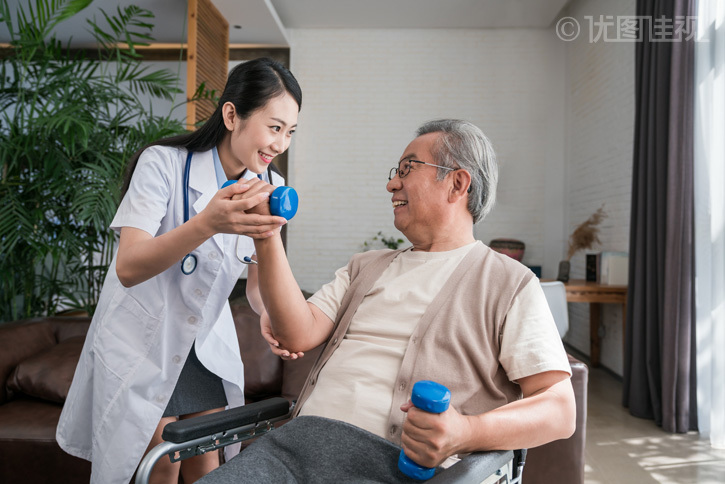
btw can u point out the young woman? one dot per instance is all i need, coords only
(162, 344)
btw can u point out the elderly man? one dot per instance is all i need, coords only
(447, 309)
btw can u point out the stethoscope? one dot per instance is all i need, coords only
(189, 262)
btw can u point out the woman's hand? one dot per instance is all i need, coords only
(266, 327)
(233, 210)
(142, 256)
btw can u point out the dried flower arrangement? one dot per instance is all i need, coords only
(584, 237)
(586, 234)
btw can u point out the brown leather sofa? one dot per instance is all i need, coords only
(38, 357)
(37, 361)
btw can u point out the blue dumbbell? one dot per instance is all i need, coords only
(283, 202)
(434, 398)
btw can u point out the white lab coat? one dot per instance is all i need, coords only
(140, 336)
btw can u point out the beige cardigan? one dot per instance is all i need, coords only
(457, 341)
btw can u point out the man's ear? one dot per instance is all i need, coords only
(461, 184)
(229, 115)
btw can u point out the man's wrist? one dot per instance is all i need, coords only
(472, 432)
(268, 243)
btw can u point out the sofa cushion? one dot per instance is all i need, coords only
(48, 375)
(28, 450)
(18, 341)
(28, 419)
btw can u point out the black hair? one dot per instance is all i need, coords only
(250, 86)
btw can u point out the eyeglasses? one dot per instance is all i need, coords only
(404, 168)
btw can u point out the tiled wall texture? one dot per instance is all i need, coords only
(366, 91)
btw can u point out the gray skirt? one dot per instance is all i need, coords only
(197, 390)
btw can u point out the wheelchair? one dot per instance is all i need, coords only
(191, 437)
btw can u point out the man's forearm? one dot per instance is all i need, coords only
(548, 412)
(293, 323)
(526, 423)
(253, 296)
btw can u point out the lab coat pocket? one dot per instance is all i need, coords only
(127, 334)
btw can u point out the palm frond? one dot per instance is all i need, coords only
(67, 126)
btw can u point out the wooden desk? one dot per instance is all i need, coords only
(579, 290)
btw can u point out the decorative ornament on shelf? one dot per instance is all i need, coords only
(583, 237)
(510, 247)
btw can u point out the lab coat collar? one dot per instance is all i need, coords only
(202, 179)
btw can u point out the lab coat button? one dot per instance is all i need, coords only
(160, 398)
(192, 320)
(198, 292)
(176, 359)
(393, 429)
(213, 255)
(402, 386)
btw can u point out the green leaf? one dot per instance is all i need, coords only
(70, 8)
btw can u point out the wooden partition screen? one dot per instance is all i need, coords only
(207, 57)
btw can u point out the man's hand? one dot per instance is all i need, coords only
(266, 327)
(256, 187)
(430, 438)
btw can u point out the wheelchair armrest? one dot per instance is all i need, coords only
(472, 467)
(185, 430)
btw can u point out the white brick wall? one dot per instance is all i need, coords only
(599, 141)
(560, 115)
(364, 94)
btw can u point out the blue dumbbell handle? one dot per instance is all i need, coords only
(434, 398)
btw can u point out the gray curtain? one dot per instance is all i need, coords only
(659, 357)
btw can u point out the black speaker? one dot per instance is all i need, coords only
(592, 267)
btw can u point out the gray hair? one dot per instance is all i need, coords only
(463, 145)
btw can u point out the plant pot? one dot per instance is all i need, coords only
(510, 247)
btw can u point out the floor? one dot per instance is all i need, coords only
(624, 449)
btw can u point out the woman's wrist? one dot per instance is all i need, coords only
(201, 226)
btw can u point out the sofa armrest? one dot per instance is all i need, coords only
(562, 461)
(67, 327)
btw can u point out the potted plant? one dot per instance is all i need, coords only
(69, 120)
(381, 240)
